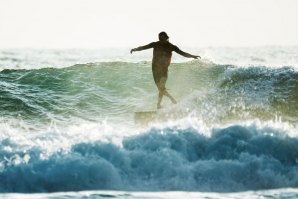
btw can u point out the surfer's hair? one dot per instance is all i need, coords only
(162, 35)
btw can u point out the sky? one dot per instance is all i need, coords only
(130, 23)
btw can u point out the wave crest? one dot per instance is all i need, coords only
(236, 158)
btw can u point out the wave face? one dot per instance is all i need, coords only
(232, 159)
(114, 89)
(72, 128)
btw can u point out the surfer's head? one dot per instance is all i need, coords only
(162, 36)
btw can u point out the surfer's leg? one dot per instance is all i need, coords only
(163, 91)
(170, 96)
(157, 77)
(162, 86)
(160, 79)
(160, 83)
(160, 95)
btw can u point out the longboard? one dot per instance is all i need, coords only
(145, 117)
(160, 115)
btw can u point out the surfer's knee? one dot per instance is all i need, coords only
(161, 87)
(162, 90)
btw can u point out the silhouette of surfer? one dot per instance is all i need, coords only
(162, 54)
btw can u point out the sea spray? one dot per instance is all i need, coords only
(236, 158)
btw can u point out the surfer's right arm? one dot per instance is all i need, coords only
(151, 45)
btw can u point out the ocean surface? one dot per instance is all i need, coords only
(68, 126)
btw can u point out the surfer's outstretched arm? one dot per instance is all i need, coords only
(151, 45)
(180, 52)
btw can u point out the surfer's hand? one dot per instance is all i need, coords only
(196, 57)
(132, 50)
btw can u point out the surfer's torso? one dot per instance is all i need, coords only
(162, 54)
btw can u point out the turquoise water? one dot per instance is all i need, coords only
(115, 90)
(71, 128)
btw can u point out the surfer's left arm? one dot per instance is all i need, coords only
(180, 52)
(151, 45)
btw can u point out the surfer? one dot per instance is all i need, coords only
(162, 54)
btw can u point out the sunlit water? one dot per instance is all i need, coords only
(67, 125)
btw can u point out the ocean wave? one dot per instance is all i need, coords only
(262, 89)
(236, 158)
(114, 89)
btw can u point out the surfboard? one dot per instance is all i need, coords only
(145, 117)
(160, 115)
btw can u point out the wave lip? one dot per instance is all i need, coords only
(236, 158)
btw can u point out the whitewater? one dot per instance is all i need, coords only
(67, 125)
